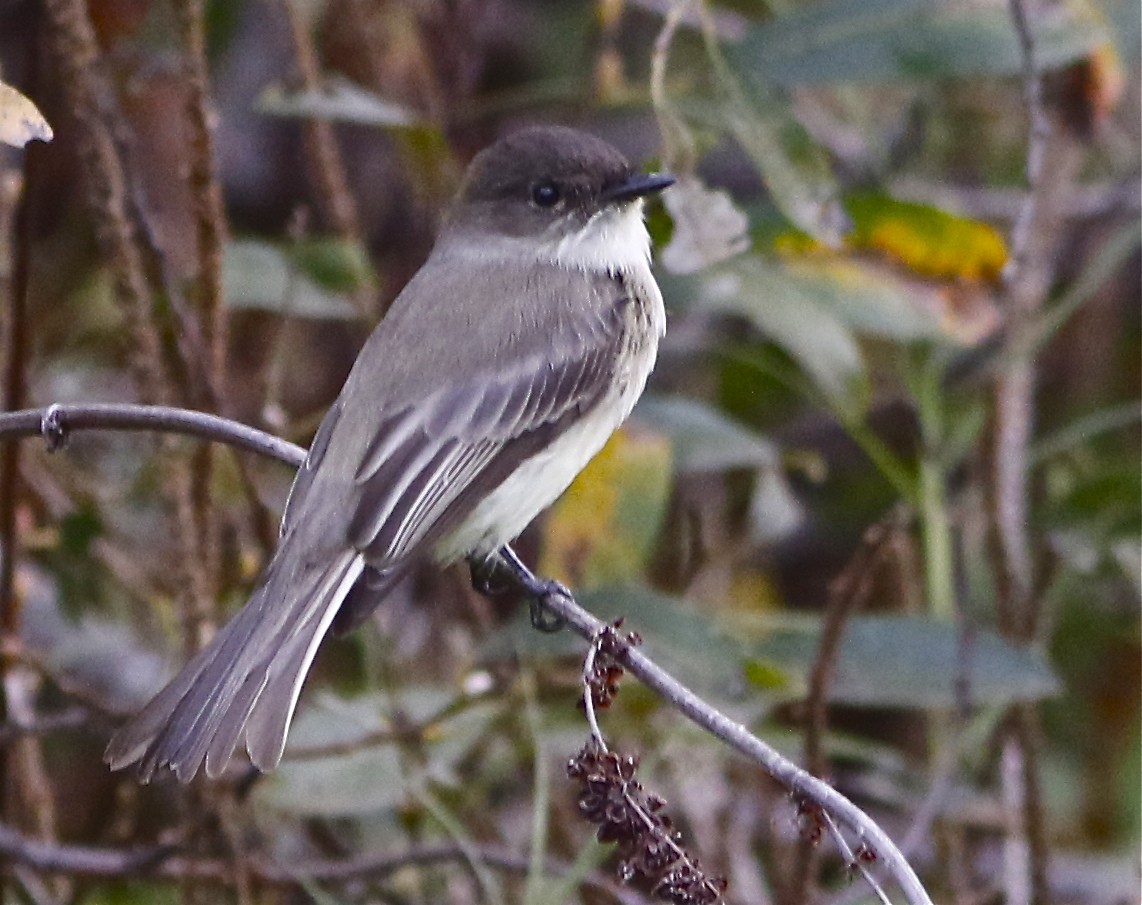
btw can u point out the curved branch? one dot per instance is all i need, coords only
(801, 784)
(55, 422)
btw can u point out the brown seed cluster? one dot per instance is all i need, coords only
(605, 673)
(649, 848)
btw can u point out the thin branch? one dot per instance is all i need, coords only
(209, 218)
(588, 679)
(72, 718)
(16, 212)
(334, 199)
(1053, 162)
(14, 346)
(1095, 200)
(56, 422)
(163, 862)
(847, 592)
(802, 785)
(24, 787)
(138, 265)
(678, 152)
(88, 94)
(209, 214)
(1040, 134)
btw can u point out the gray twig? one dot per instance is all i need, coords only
(801, 784)
(56, 422)
(164, 862)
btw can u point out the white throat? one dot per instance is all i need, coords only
(615, 240)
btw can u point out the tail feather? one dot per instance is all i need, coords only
(266, 729)
(245, 683)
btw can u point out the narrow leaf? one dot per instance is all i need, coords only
(889, 40)
(260, 275)
(603, 528)
(915, 662)
(793, 315)
(337, 99)
(702, 438)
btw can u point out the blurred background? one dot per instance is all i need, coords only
(881, 502)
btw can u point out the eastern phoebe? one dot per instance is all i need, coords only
(500, 370)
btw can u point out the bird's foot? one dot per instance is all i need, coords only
(543, 618)
(487, 578)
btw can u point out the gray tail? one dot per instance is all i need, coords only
(245, 683)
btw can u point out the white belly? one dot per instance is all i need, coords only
(537, 482)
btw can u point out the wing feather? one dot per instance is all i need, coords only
(407, 503)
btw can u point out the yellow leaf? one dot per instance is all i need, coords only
(20, 121)
(603, 528)
(930, 241)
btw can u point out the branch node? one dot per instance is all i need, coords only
(52, 428)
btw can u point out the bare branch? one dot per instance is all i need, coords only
(1053, 161)
(209, 214)
(801, 784)
(163, 862)
(56, 422)
(89, 97)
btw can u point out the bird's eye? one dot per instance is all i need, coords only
(545, 194)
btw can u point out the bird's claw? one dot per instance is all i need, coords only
(543, 618)
(488, 578)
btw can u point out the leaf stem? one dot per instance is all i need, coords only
(939, 580)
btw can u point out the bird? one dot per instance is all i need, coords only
(499, 371)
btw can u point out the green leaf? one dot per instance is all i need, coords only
(702, 438)
(794, 168)
(926, 239)
(793, 314)
(357, 777)
(676, 635)
(338, 99)
(363, 782)
(906, 661)
(1126, 553)
(885, 661)
(261, 275)
(104, 656)
(1084, 430)
(334, 264)
(867, 298)
(1109, 497)
(1096, 517)
(888, 40)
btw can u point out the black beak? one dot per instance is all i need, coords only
(636, 186)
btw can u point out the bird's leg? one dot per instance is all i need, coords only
(486, 575)
(538, 590)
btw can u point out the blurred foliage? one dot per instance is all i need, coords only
(850, 177)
